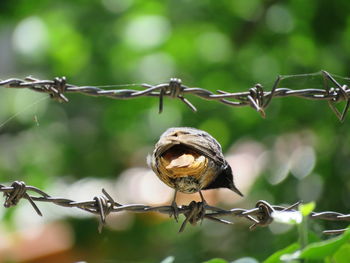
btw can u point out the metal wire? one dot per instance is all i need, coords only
(255, 97)
(103, 205)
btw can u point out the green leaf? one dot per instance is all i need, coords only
(323, 249)
(342, 255)
(306, 209)
(216, 260)
(275, 258)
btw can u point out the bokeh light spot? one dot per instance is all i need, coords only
(146, 32)
(279, 19)
(141, 185)
(246, 9)
(246, 260)
(117, 6)
(310, 188)
(155, 67)
(303, 161)
(30, 37)
(214, 46)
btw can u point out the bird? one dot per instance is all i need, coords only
(190, 160)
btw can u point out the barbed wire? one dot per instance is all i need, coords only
(260, 216)
(256, 97)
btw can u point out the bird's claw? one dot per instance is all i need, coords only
(195, 214)
(175, 211)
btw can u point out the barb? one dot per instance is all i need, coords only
(255, 97)
(261, 215)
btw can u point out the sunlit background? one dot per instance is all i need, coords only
(299, 152)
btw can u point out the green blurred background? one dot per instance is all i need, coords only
(300, 151)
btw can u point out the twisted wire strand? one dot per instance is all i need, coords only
(256, 97)
(103, 205)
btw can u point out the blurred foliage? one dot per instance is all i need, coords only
(228, 45)
(333, 250)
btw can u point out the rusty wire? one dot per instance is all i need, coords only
(256, 97)
(103, 205)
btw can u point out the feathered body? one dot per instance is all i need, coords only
(190, 160)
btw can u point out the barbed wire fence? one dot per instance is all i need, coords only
(332, 91)
(260, 216)
(256, 97)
